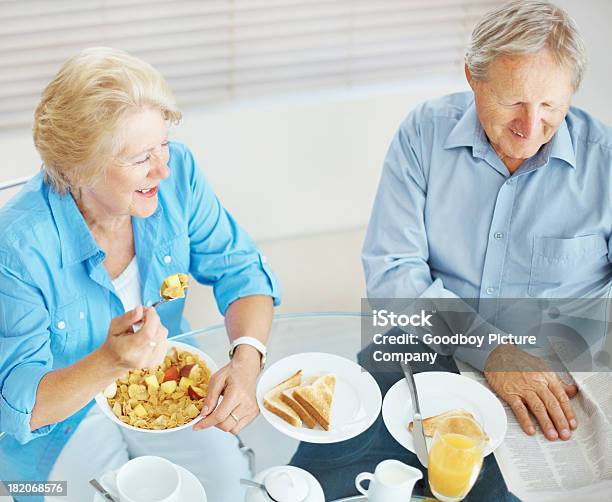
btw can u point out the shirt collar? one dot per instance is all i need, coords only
(468, 132)
(76, 241)
(562, 146)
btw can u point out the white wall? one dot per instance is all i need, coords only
(303, 164)
(593, 19)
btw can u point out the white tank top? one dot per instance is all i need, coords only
(127, 286)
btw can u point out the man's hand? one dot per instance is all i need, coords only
(236, 382)
(526, 383)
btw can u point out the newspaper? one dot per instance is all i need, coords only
(536, 469)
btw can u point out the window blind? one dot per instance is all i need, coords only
(219, 50)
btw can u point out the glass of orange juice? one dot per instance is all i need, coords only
(455, 458)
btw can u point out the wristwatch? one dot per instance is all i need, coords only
(253, 342)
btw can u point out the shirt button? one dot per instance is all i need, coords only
(498, 235)
(490, 291)
(81, 315)
(61, 325)
(167, 259)
(510, 181)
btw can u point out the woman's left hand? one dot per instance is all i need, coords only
(236, 382)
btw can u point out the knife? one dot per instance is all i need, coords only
(418, 436)
(103, 492)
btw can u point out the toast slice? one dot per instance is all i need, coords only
(287, 397)
(431, 423)
(317, 397)
(272, 401)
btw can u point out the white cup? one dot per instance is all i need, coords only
(145, 479)
(392, 481)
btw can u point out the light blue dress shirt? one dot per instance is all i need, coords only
(57, 300)
(449, 221)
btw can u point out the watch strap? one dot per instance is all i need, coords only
(253, 342)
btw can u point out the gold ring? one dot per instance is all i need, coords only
(152, 344)
(234, 417)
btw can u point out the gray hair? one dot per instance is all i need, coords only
(526, 27)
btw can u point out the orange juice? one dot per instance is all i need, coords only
(454, 463)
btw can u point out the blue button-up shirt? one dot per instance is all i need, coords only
(57, 300)
(449, 221)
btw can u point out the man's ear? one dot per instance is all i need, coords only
(468, 76)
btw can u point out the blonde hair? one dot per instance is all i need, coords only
(78, 124)
(526, 27)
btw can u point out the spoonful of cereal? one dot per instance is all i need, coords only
(172, 288)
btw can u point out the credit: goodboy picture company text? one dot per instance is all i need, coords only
(425, 321)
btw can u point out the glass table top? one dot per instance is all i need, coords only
(337, 333)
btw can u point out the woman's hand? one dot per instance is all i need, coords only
(236, 382)
(144, 349)
(64, 391)
(527, 384)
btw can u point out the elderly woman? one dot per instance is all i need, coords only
(117, 208)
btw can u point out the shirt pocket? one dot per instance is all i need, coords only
(561, 266)
(68, 330)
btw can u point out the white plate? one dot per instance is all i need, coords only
(439, 392)
(191, 488)
(355, 405)
(102, 402)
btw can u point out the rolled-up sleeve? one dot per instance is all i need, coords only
(222, 254)
(25, 350)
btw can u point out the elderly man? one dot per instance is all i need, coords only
(499, 192)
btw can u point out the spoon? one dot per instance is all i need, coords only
(249, 482)
(136, 327)
(164, 300)
(282, 486)
(96, 484)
